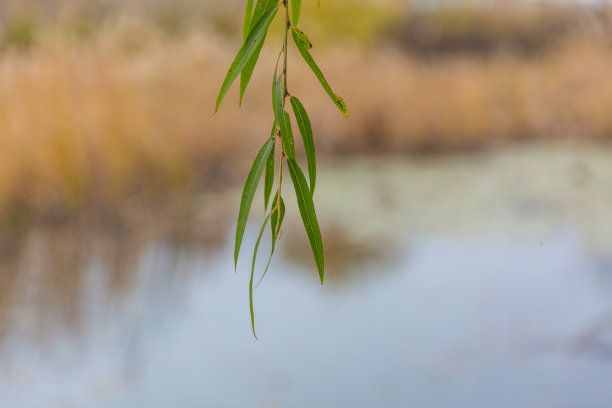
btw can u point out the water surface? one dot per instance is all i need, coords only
(452, 282)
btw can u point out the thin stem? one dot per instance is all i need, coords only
(287, 26)
(285, 92)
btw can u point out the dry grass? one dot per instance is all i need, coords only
(126, 113)
(131, 111)
(402, 103)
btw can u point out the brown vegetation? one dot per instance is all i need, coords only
(130, 110)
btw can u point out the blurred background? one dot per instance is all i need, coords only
(464, 206)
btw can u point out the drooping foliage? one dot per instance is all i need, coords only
(257, 21)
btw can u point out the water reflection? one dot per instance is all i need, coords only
(348, 259)
(150, 314)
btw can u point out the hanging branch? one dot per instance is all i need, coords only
(257, 21)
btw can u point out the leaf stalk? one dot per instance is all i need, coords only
(285, 93)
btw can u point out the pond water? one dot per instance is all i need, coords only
(473, 281)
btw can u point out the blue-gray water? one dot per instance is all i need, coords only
(451, 283)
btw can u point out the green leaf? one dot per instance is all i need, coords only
(248, 13)
(304, 45)
(276, 225)
(247, 50)
(277, 96)
(263, 228)
(269, 177)
(282, 117)
(287, 135)
(296, 8)
(306, 130)
(261, 8)
(275, 83)
(309, 217)
(249, 192)
(247, 72)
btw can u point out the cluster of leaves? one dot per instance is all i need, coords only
(257, 21)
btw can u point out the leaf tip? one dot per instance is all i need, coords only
(218, 103)
(241, 97)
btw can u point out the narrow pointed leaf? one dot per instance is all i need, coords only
(282, 117)
(263, 228)
(269, 176)
(247, 72)
(275, 84)
(309, 217)
(261, 8)
(287, 135)
(249, 192)
(304, 45)
(306, 131)
(296, 8)
(248, 13)
(276, 225)
(276, 221)
(247, 50)
(277, 98)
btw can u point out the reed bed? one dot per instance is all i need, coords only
(128, 111)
